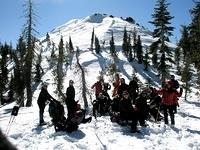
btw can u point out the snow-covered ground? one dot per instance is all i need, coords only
(101, 134)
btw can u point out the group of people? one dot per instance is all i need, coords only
(133, 105)
(75, 114)
(128, 102)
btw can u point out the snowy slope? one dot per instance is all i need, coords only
(101, 134)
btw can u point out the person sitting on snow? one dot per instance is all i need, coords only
(128, 111)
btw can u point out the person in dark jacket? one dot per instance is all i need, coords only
(70, 99)
(174, 82)
(155, 104)
(123, 87)
(44, 96)
(128, 111)
(142, 107)
(133, 88)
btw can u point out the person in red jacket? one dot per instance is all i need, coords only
(116, 85)
(98, 86)
(169, 100)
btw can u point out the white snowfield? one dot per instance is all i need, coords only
(101, 134)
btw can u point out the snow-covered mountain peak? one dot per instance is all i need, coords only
(95, 18)
(104, 25)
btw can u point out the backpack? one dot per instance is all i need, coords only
(56, 111)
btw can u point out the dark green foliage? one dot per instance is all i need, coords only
(112, 46)
(19, 70)
(139, 50)
(146, 60)
(53, 55)
(29, 37)
(163, 30)
(161, 20)
(153, 50)
(130, 54)
(38, 67)
(97, 45)
(125, 44)
(134, 42)
(184, 42)
(71, 48)
(177, 59)
(59, 69)
(194, 29)
(195, 34)
(92, 40)
(186, 76)
(4, 51)
(83, 86)
(48, 40)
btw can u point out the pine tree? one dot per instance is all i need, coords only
(139, 50)
(92, 40)
(154, 51)
(146, 59)
(134, 42)
(161, 21)
(184, 41)
(125, 42)
(59, 71)
(195, 34)
(177, 58)
(130, 54)
(71, 48)
(97, 45)
(112, 46)
(19, 71)
(48, 40)
(186, 76)
(29, 36)
(4, 60)
(163, 30)
(38, 67)
(84, 89)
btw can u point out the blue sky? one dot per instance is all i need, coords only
(52, 13)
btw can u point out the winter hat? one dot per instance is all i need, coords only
(71, 81)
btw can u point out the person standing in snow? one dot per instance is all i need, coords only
(133, 88)
(123, 87)
(116, 85)
(169, 100)
(70, 99)
(44, 96)
(98, 86)
(175, 83)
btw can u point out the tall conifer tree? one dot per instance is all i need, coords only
(29, 36)
(162, 31)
